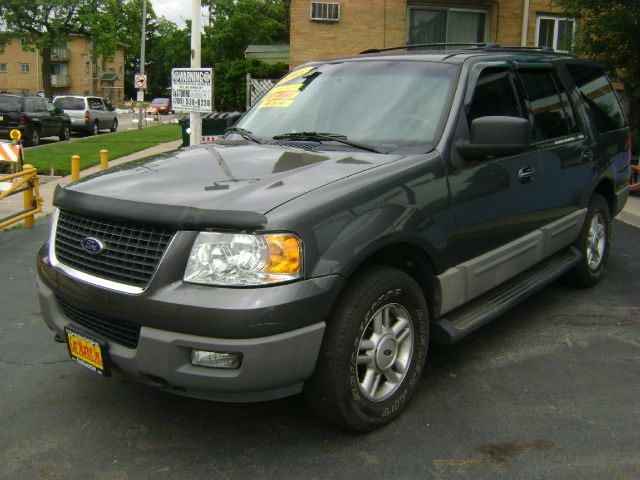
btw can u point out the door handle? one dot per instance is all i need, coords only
(586, 156)
(526, 174)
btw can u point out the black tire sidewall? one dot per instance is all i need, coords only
(583, 275)
(114, 126)
(382, 411)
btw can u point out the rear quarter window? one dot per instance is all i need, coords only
(597, 92)
(10, 104)
(69, 103)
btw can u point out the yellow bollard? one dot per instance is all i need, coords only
(104, 159)
(75, 167)
(28, 201)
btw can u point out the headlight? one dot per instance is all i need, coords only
(238, 259)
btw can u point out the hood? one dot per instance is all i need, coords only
(250, 178)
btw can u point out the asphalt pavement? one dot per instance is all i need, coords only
(549, 390)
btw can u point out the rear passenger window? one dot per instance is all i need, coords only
(494, 95)
(548, 104)
(598, 94)
(95, 104)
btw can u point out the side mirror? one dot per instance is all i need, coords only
(496, 137)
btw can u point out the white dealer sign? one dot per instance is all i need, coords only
(192, 89)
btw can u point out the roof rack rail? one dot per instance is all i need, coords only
(429, 45)
(492, 47)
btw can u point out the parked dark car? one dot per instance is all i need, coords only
(161, 106)
(34, 116)
(88, 113)
(362, 208)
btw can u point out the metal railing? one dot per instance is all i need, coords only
(28, 185)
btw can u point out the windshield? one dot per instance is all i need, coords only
(389, 104)
(69, 103)
(160, 101)
(9, 104)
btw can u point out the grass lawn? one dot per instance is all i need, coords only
(58, 155)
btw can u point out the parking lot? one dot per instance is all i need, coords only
(549, 390)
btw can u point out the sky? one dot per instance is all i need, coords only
(175, 10)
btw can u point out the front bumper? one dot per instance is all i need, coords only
(276, 358)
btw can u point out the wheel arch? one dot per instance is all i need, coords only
(606, 189)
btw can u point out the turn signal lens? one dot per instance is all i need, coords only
(284, 254)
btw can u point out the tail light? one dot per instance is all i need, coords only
(22, 118)
(87, 115)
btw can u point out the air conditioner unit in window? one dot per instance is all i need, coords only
(326, 12)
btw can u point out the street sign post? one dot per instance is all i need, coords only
(192, 89)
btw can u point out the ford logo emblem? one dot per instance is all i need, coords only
(92, 245)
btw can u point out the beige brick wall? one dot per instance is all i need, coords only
(368, 24)
(80, 70)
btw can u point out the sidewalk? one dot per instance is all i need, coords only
(14, 203)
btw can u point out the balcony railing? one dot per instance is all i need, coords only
(60, 55)
(60, 81)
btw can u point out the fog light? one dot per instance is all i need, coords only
(203, 358)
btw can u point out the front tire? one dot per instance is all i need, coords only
(593, 244)
(373, 351)
(65, 133)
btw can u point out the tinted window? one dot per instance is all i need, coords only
(95, 104)
(69, 103)
(550, 109)
(41, 104)
(10, 104)
(29, 105)
(598, 93)
(494, 95)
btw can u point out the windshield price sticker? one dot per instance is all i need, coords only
(192, 89)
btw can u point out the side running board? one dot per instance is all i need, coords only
(468, 318)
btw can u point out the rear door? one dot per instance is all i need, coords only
(559, 137)
(97, 111)
(10, 108)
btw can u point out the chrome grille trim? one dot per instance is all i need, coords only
(94, 279)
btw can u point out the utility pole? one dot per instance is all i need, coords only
(195, 118)
(144, 34)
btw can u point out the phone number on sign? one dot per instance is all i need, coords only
(192, 102)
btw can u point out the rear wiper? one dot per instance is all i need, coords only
(335, 137)
(246, 134)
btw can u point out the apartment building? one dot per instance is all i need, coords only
(73, 69)
(327, 29)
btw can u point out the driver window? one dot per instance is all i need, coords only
(494, 96)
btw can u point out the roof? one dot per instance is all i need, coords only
(267, 48)
(109, 77)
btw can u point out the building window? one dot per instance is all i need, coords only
(24, 42)
(555, 32)
(4, 68)
(446, 25)
(25, 68)
(328, 12)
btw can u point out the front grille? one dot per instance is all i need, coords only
(120, 331)
(131, 252)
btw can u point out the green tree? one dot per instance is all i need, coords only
(608, 32)
(235, 24)
(48, 23)
(168, 47)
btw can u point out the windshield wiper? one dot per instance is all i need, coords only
(246, 134)
(319, 137)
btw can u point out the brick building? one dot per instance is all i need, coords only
(332, 28)
(73, 69)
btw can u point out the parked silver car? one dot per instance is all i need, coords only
(88, 113)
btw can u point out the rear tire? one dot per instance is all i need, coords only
(114, 125)
(373, 351)
(95, 129)
(593, 244)
(34, 137)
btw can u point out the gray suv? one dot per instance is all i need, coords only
(365, 207)
(88, 114)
